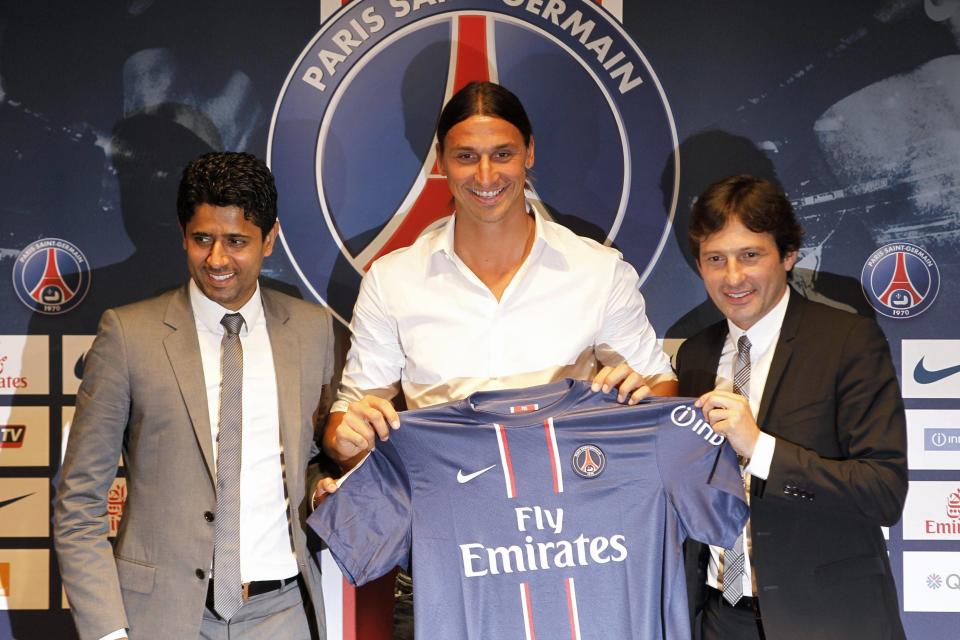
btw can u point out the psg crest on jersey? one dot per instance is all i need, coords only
(588, 461)
(900, 280)
(352, 136)
(51, 276)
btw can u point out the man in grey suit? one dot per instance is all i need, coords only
(211, 392)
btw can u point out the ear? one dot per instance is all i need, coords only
(440, 163)
(789, 260)
(530, 155)
(270, 239)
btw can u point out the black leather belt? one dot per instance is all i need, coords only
(254, 588)
(745, 603)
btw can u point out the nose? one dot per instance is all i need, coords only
(485, 171)
(734, 273)
(217, 257)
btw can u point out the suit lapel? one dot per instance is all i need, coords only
(712, 355)
(783, 353)
(698, 373)
(183, 350)
(285, 344)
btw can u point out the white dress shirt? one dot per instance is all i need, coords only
(266, 551)
(763, 341)
(425, 323)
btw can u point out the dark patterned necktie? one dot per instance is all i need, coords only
(227, 595)
(734, 559)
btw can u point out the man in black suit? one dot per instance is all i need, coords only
(808, 397)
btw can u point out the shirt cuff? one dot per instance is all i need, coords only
(119, 633)
(759, 466)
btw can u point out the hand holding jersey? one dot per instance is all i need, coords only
(729, 414)
(371, 418)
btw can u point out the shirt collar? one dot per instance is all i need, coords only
(543, 235)
(208, 313)
(765, 331)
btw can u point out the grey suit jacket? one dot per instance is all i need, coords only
(143, 392)
(839, 472)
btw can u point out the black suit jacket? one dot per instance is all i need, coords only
(839, 472)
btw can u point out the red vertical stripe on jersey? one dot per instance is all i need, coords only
(507, 462)
(572, 612)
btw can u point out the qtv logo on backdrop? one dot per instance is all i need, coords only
(24, 436)
(931, 581)
(352, 142)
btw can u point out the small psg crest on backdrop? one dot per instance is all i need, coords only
(51, 276)
(588, 461)
(900, 280)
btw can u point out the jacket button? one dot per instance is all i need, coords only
(200, 573)
(208, 516)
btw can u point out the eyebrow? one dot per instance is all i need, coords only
(229, 236)
(465, 147)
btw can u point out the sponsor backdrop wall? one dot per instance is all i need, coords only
(853, 107)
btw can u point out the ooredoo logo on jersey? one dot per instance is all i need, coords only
(51, 276)
(352, 141)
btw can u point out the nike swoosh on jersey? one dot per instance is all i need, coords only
(462, 478)
(4, 503)
(925, 376)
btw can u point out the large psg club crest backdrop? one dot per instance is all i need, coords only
(352, 143)
(853, 107)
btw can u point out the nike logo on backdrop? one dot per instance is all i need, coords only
(462, 478)
(78, 366)
(4, 503)
(925, 376)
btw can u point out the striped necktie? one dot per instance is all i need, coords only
(734, 560)
(227, 596)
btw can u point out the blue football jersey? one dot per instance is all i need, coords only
(548, 512)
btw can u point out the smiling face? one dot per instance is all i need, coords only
(486, 163)
(225, 252)
(743, 272)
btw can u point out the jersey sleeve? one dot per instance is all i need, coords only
(367, 522)
(702, 480)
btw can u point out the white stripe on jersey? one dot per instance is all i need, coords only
(525, 604)
(555, 451)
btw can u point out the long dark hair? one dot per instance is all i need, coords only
(483, 99)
